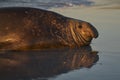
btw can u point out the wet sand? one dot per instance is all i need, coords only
(107, 21)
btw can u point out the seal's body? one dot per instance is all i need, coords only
(30, 28)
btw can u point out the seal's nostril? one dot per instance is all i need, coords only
(94, 32)
(96, 35)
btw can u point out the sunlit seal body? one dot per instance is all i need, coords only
(31, 28)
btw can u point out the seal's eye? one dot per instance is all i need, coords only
(80, 26)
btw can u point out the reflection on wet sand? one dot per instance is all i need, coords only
(44, 64)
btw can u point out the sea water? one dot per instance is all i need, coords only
(45, 4)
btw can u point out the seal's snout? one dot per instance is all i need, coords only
(91, 29)
(94, 31)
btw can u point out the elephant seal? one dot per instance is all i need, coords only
(25, 28)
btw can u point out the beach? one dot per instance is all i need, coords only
(71, 64)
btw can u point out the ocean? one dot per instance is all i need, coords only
(45, 4)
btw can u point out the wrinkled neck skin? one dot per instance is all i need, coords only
(78, 38)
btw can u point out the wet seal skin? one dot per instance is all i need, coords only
(23, 28)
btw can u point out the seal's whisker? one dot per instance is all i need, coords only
(79, 36)
(83, 39)
(73, 35)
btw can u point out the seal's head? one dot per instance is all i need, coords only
(82, 32)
